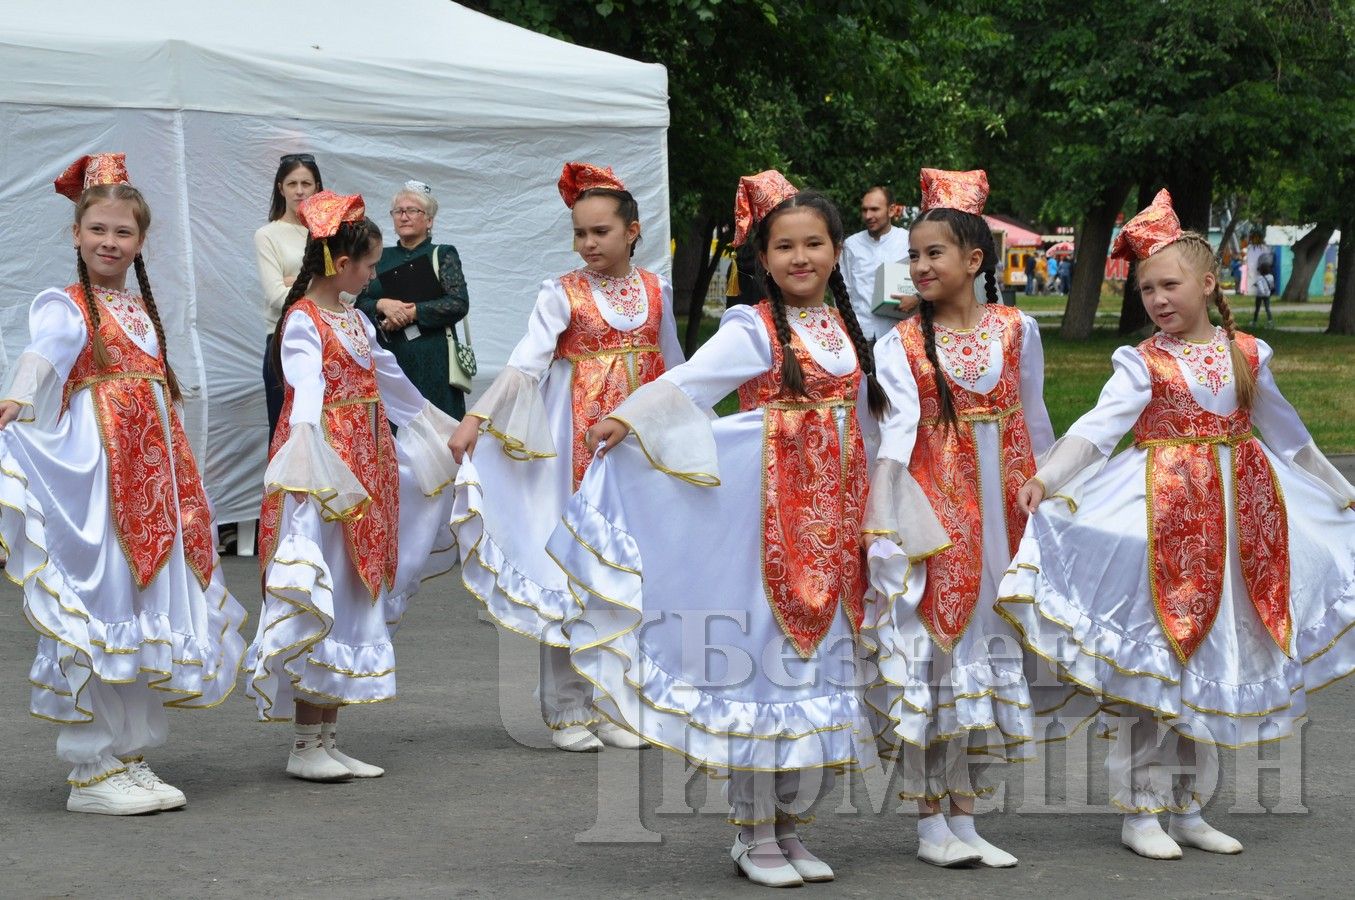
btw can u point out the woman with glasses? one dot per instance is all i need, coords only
(419, 294)
(277, 248)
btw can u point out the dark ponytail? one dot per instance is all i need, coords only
(144, 282)
(865, 354)
(92, 306)
(946, 413)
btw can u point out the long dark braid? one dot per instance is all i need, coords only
(865, 354)
(92, 306)
(946, 413)
(792, 376)
(312, 262)
(990, 283)
(144, 282)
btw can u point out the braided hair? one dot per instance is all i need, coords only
(352, 240)
(970, 232)
(1196, 252)
(141, 212)
(792, 376)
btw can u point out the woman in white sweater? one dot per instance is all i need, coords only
(277, 248)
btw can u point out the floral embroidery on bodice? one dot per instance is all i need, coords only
(349, 330)
(625, 295)
(1209, 363)
(967, 354)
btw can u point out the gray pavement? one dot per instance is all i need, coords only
(467, 810)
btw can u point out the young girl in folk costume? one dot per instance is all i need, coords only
(353, 519)
(103, 515)
(1205, 579)
(736, 543)
(965, 383)
(595, 335)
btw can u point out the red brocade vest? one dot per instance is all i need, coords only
(154, 487)
(608, 364)
(1187, 529)
(353, 421)
(945, 464)
(814, 486)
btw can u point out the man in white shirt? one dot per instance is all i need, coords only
(864, 252)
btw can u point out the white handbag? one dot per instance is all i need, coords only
(461, 365)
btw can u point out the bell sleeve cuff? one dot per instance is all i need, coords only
(424, 442)
(514, 412)
(306, 464)
(674, 433)
(897, 509)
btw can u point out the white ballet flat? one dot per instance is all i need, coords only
(1150, 842)
(1203, 837)
(810, 869)
(781, 876)
(616, 736)
(989, 855)
(949, 853)
(576, 739)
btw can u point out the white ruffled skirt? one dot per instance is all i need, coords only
(321, 637)
(92, 619)
(1079, 594)
(672, 625)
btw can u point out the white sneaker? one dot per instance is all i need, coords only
(170, 796)
(616, 736)
(1149, 840)
(116, 795)
(783, 875)
(314, 764)
(329, 740)
(1203, 836)
(576, 739)
(949, 853)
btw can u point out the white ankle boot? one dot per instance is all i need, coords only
(1194, 831)
(1144, 835)
(360, 769)
(310, 762)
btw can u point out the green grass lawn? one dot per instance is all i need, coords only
(1316, 372)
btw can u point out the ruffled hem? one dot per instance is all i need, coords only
(74, 645)
(293, 657)
(512, 599)
(713, 733)
(987, 706)
(1088, 655)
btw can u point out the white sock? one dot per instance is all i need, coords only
(307, 736)
(1140, 821)
(933, 829)
(1191, 817)
(962, 827)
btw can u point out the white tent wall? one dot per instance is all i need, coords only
(487, 115)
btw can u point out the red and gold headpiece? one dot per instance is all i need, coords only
(758, 195)
(965, 191)
(88, 171)
(577, 177)
(1148, 232)
(324, 212)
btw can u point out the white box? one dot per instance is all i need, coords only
(892, 278)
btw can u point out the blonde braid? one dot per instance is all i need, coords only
(1195, 250)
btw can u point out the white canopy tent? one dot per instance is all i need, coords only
(204, 97)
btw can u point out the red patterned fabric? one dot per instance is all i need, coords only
(813, 495)
(354, 425)
(324, 212)
(756, 196)
(608, 364)
(577, 177)
(153, 481)
(1187, 531)
(88, 171)
(945, 463)
(1148, 232)
(965, 191)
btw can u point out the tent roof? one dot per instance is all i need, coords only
(1017, 236)
(421, 62)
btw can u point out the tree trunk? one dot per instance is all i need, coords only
(1231, 227)
(1089, 269)
(1308, 253)
(1133, 316)
(689, 255)
(1192, 191)
(706, 262)
(1343, 301)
